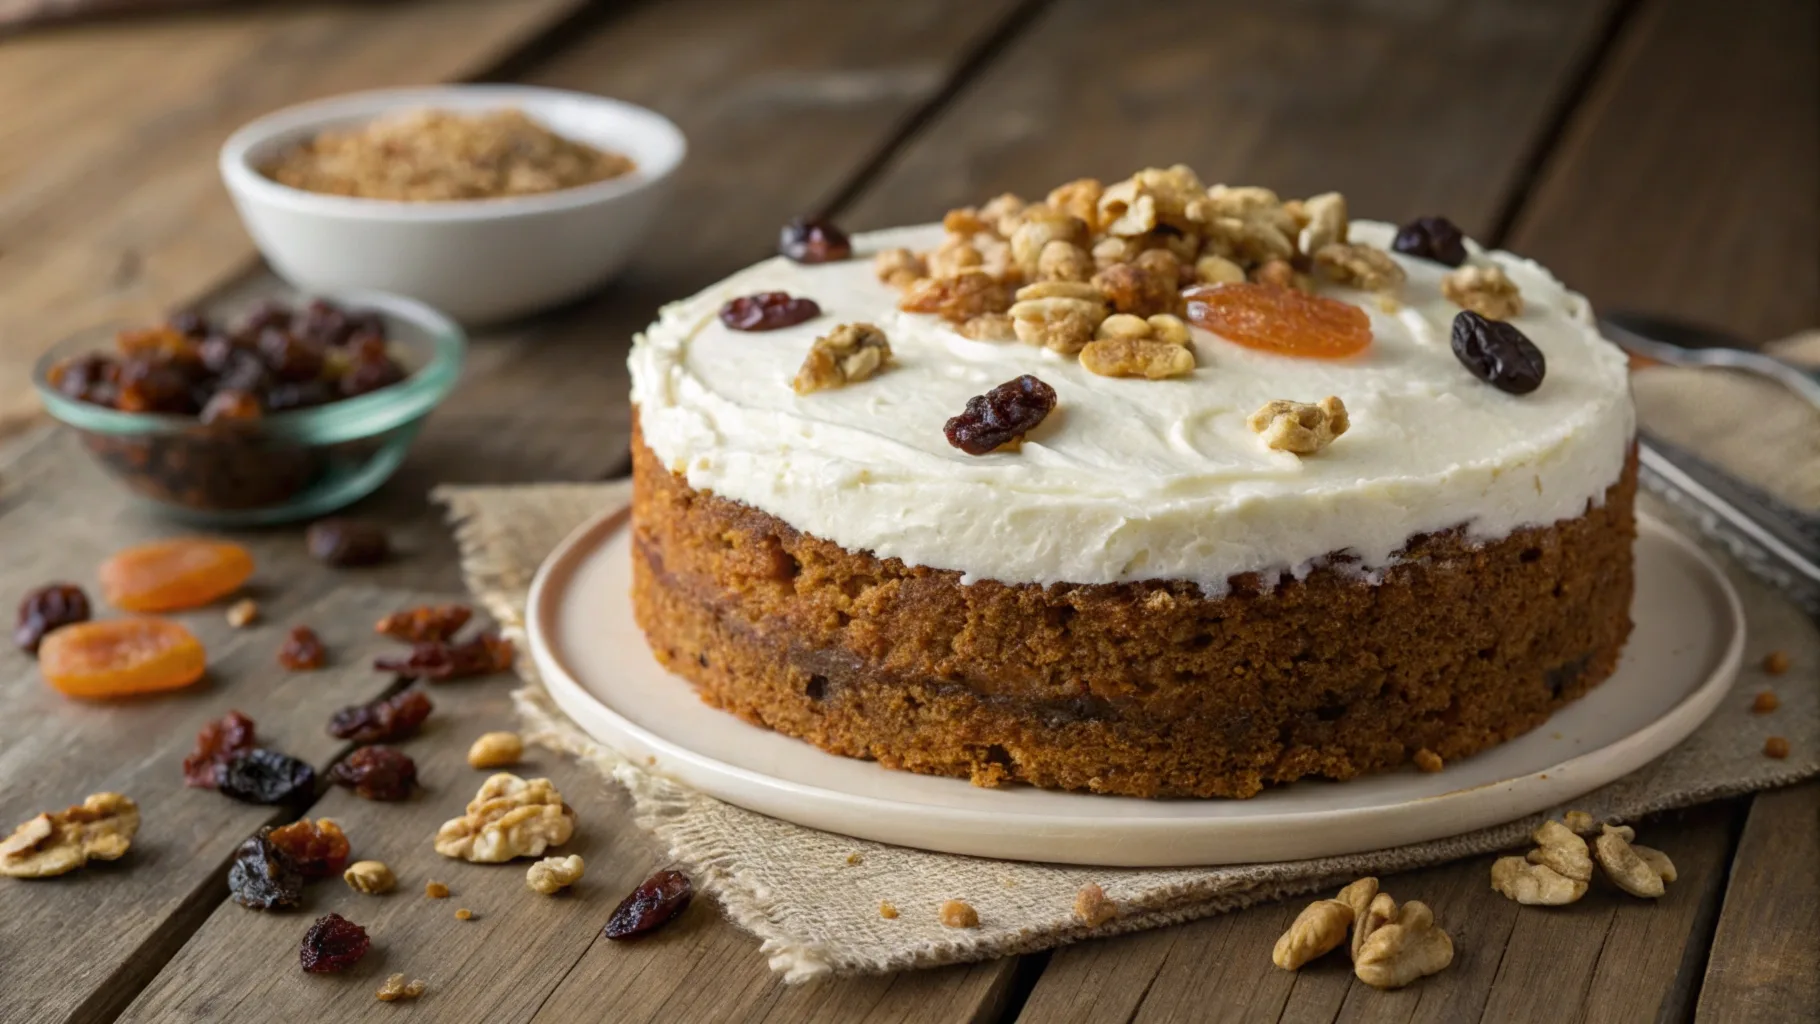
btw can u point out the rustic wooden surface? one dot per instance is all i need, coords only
(1659, 153)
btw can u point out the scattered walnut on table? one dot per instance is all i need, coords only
(1622, 864)
(1359, 266)
(958, 914)
(396, 988)
(464, 914)
(243, 613)
(1300, 427)
(1359, 895)
(1318, 929)
(1092, 908)
(101, 827)
(496, 750)
(1406, 948)
(846, 355)
(1559, 848)
(509, 817)
(1485, 289)
(369, 876)
(1534, 884)
(554, 874)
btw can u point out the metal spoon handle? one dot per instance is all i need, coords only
(1801, 381)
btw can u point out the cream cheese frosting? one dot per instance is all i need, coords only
(1132, 479)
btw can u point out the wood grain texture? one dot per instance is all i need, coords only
(1689, 182)
(1765, 961)
(1406, 108)
(110, 205)
(116, 924)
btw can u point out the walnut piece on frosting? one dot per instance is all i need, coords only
(1300, 427)
(846, 355)
(1485, 289)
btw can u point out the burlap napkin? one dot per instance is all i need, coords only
(815, 904)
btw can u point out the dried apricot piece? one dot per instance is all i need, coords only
(168, 575)
(1280, 320)
(121, 657)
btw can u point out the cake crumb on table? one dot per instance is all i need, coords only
(396, 988)
(436, 890)
(1776, 747)
(242, 613)
(1776, 662)
(887, 910)
(1766, 702)
(1429, 761)
(855, 859)
(959, 914)
(464, 914)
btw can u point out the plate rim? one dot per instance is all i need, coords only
(1630, 752)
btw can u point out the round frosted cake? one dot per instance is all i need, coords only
(1146, 488)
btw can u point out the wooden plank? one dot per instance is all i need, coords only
(1407, 109)
(1690, 182)
(115, 925)
(109, 200)
(498, 966)
(1765, 961)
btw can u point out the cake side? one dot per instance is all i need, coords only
(1148, 688)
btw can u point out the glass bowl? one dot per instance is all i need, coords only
(283, 467)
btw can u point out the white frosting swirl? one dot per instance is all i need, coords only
(1132, 479)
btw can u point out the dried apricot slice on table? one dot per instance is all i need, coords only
(1280, 320)
(168, 575)
(121, 657)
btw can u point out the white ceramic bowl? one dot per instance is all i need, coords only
(477, 260)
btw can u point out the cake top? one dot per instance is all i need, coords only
(1328, 412)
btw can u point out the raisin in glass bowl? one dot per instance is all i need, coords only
(309, 450)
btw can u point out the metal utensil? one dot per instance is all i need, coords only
(1684, 344)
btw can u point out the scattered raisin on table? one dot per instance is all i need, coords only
(388, 718)
(303, 650)
(44, 609)
(217, 743)
(438, 661)
(814, 240)
(263, 876)
(260, 776)
(1497, 353)
(768, 311)
(1001, 415)
(346, 543)
(376, 773)
(1432, 238)
(332, 944)
(425, 624)
(656, 902)
(318, 848)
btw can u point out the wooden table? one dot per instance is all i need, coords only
(1658, 154)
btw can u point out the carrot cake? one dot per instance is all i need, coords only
(1145, 488)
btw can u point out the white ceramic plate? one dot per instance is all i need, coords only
(1680, 662)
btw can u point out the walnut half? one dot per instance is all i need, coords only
(1409, 947)
(100, 828)
(509, 817)
(1319, 928)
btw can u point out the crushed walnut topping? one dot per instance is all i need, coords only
(1124, 248)
(1131, 346)
(1359, 266)
(1484, 289)
(846, 355)
(1300, 427)
(396, 988)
